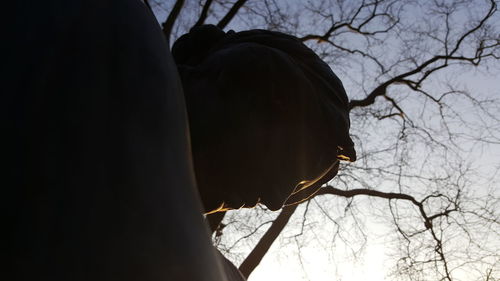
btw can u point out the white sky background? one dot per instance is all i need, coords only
(322, 264)
(317, 267)
(334, 262)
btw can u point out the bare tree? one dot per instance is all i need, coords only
(426, 135)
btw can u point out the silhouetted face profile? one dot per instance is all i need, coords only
(267, 116)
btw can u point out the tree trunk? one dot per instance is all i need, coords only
(258, 252)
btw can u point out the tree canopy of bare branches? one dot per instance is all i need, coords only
(425, 123)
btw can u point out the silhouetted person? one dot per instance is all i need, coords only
(267, 116)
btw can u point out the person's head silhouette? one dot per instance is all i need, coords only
(267, 116)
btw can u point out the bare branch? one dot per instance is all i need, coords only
(442, 61)
(169, 22)
(204, 13)
(401, 196)
(231, 13)
(258, 252)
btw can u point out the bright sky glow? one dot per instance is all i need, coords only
(317, 267)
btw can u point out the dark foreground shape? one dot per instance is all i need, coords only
(267, 117)
(100, 179)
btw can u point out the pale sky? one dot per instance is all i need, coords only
(318, 267)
